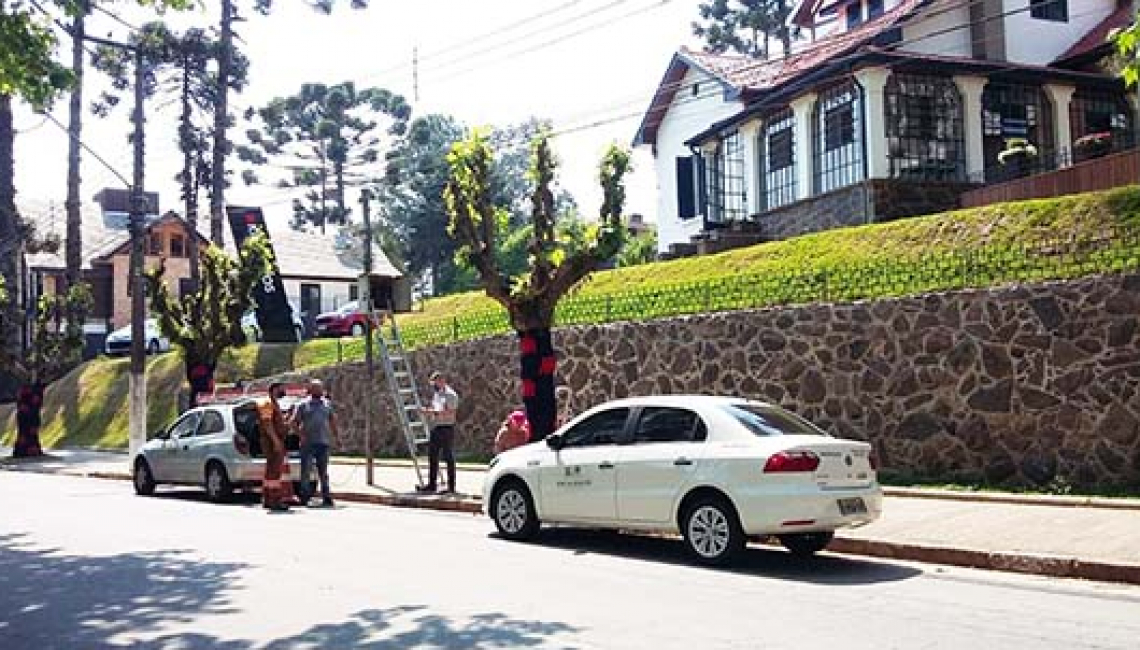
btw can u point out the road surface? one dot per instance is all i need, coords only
(86, 564)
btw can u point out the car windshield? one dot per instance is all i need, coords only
(348, 308)
(772, 421)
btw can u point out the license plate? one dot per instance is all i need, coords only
(852, 506)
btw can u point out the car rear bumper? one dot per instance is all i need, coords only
(252, 470)
(770, 513)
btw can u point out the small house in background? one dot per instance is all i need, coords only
(318, 274)
(884, 109)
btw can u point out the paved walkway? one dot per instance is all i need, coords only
(1058, 536)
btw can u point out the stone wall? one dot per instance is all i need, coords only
(1024, 386)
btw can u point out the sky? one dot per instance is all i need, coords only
(485, 62)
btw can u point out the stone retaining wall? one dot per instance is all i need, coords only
(1026, 385)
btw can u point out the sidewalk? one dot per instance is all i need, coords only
(1053, 536)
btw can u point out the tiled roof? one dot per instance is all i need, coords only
(1098, 36)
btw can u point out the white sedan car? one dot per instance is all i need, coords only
(718, 470)
(119, 341)
(216, 446)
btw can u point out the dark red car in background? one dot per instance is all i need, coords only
(349, 320)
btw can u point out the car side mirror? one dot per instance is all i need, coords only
(555, 442)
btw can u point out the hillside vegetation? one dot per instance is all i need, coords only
(1030, 240)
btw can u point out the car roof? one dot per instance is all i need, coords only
(681, 401)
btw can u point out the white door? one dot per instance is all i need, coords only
(577, 483)
(178, 447)
(654, 470)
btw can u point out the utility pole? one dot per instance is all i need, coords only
(221, 124)
(137, 382)
(369, 309)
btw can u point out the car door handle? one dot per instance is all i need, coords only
(682, 461)
(186, 448)
(605, 464)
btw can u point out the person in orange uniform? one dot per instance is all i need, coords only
(274, 491)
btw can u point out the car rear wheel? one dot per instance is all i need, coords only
(218, 486)
(357, 329)
(143, 478)
(806, 544)
(712, 531)
(512, 508)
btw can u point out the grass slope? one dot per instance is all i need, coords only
(88, 407)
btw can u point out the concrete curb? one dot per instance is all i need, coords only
(1025, 563)
(1015, 499)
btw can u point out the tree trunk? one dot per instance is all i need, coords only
(10, 244)
(189, 173)
(342, 210)
(324, 188)
(73, 247)
(221, 124)
(201, 378)
(29, 404)
(537, 366)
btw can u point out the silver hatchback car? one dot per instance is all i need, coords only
(216, 446)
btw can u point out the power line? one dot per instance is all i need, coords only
(94, 154)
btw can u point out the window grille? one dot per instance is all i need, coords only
(1098, 111)
(1011, 111)
(837, 138)
(925, 136)
(728, 199)
(778, 154)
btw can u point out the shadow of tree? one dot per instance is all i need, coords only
(756, 560)
(49, 599)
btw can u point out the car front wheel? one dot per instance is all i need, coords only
(806, 544)
(512, 508)
(712, 531)
(143, 478)
(218, 486)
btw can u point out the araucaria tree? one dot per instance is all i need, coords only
(327, 137)
(203, 324)
(557, 264)
(56, 346)
(744, 26)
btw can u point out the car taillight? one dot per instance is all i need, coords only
(792, 461)
(241, 444)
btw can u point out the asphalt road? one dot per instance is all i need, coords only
(86, 564)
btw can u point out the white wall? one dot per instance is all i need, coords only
(955, 42)
(685, 118)
(1039, 42)
(333, 294)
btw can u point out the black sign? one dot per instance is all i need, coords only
(274, 316)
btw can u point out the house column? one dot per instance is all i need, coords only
(1061, 97)
(749, 134)
(874, 81)
(803, 109)
(971, 89)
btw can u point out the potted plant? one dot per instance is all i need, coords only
(1018, 156)
(1093, 145)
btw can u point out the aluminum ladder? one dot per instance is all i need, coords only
(402, 385)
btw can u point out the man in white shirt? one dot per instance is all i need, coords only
(441, 416)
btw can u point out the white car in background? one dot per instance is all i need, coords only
(717, 470)
(252, 329)
(119, 341)
(217, 446)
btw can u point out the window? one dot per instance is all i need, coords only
(659, 424)
(212, 422)
(696, 89)
(1101, 111)
(1050, 10)
(154, 244)
(854, 14)
(1012, 111)
(837, 138)
(177, 245)
(772, 421)
(778, 147)
(925, 137)
(728, 200)
(599, 429)
(185, 427)
(874, 9)
(354, 292)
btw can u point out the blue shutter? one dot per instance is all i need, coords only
(686, 188)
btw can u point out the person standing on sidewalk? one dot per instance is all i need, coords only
(317, 423)
(272, 428)
(441, 413)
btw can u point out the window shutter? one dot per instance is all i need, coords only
(686, 188)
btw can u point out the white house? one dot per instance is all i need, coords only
(884, 109)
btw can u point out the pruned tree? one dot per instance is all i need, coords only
(56, 348)
(327, 138)
(205, 323)
(744, 26)
(557, 264)
(179, 66)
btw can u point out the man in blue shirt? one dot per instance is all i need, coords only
(316, 420)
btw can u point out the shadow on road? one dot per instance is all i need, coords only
(755, 561)
(52, 600)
